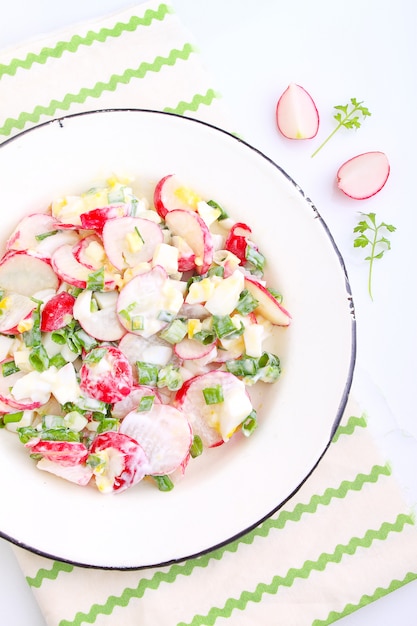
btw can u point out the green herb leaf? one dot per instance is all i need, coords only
(95, 280)
(196, 447)
(347, 118)
(378, 243)
(164, 483)
(213, 395)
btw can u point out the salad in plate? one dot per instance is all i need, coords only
(131, 333)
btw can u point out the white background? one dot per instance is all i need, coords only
(362, 48)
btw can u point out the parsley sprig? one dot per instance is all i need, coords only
(373, 235)
(348, 115)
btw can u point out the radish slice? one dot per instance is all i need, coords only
(129, 241)
(26, 274)
(147, 302)
(14, 309)
(97, 218)
(164, 433)
(89, 251)
(237, 240)
(296, 114)
(102, 324)
(106, 374)
(190, 349)
(39, 233)
(192, 228)
(364, 175)
(71, 271)
(65, 453)
(147, 349)
(268, 306)
(214, 423)
(170, 194)
(123, 462)
(57, 312)
(78, 474)
(131, 402)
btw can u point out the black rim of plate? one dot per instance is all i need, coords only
(348, 384)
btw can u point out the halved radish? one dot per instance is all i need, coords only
(214, 422)
(106, 374)
(14, 309)
(296, 114)
(65, 453)
(196, 233)
(164, 433)
(237, 240)
(102, 324)
(6, 386)
(40, 233)
(191, 349)
(170, 194)
(89, 251)
(129, 241)
(131, 402)
(122, 462)
(186, 256)
(57, 312)
(364, 175)
(148, 301)
(26, 274)
(268, 306)
(71, 271)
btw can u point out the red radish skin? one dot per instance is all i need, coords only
(80, 252)
(296, 114)
(57, 312)
(131, 402)
(115, 233)
(97, 218)
(196, 233)
(108, 381)
(191, 349)
(17, 308)
(237, 240)
(165, 198)
(268, 307)
(66, 453)
(71, 271)
(134, 462)
(364, 175)
(6, 384)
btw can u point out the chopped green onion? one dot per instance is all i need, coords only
(39, 359)
(146, 403)
(206, 337)
(59, 336)
(8, 368)
(59, 434)
(175, 332)
(243, 367)
(164, 483)
(95, 280)
(223, 325)
(84, 339)
(57, 361)
(10, 418)
(95, 355)
(166, 316)
(270, 367)
(213, 395)
(94, 460)
(170, 376)
(137, 231)
(53, 422)
(254, 257)
(147, 373)
(247, 303)
(33, 336)
(223, 215)
(276, 294)
(43, 236)
(196, 447)
(116, 195)
(106, 424)
(26, 433)
(137, 322)
(250, 424)
(217, 270)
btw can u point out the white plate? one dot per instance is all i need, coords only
(229, 489)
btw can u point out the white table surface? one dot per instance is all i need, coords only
(365, 49)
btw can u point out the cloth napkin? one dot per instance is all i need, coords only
(348, 536)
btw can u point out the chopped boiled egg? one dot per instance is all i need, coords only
(200, 291)
(167, 257)
(187, 196)
(253, 337)
(208, 213)
(225, 295)
(134, 241)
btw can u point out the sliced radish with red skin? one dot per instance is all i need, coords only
(116, 240)
(71, 271)
(145, 299)
(26, 274)
(17, 309)
(127, 462)
(132, 401)
(97, 218)
(186, 256)
(164, 433)
(65, 453)
(268, 306)
(80, 252)
(237, 240)
(78, 474)
(102, 324)
(364, 175)
(214, 423)
(109, 378)
(296, 114)
(24, 237)
(147, 349)
(166, 197)
(196, 233)
(57, 312)
(190, 349)
(7, 383)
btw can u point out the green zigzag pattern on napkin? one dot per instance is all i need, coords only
(49, 574)
(97, 90)
(349, 427)
(182, 107)
(263, 530)
(76, 41)
(380, 592)
(319, 565)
